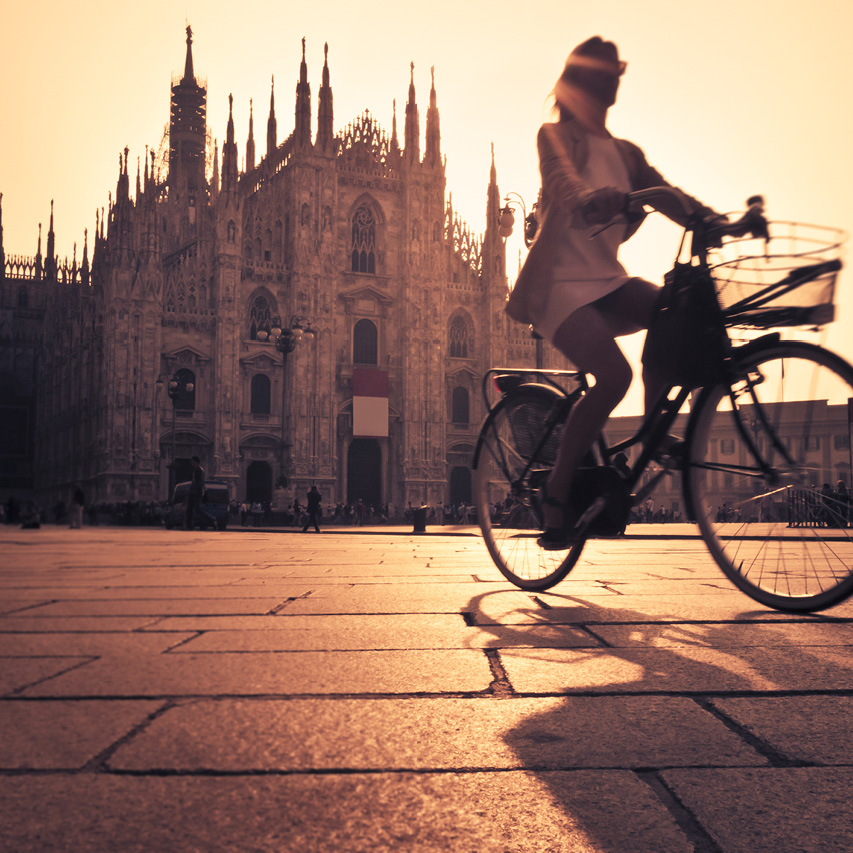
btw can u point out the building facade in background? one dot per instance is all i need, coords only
(195, 268)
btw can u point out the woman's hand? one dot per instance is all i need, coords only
(602, 206)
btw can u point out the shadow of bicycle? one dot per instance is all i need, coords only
(606, 699)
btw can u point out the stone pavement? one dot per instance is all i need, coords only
(379, 690)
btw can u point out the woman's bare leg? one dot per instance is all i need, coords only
(628, 310)
(586, 339)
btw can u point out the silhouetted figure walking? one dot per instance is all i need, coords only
(314, 498)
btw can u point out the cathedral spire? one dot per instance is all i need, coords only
(302, 129)
(229, 153)
(413, 128)
(215, 186)
(432, 156)
(50, 260)
(38, 257)
(188, 128)
(84, 264)
(395, 145)
(493, 197)
(250, 142)
(325, 121)
(189, 74)
(272, 144)
(494, 245)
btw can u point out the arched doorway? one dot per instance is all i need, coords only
(364, 471)
(460, 485)
(259, 482)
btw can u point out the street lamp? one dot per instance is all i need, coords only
(506, 218)
(506, 222)
(285, 339)
(178, 389)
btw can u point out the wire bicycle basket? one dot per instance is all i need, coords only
(787, 281)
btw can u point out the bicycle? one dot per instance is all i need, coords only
(781, 540)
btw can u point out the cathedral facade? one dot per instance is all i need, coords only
(318, 315)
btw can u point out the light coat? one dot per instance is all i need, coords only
(563, 154)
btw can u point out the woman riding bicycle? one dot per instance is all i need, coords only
(572, 288)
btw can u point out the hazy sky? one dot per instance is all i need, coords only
(727, 99)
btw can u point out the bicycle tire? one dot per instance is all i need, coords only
(508, 445)
(782, 541)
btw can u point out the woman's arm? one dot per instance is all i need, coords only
(644, 176)
(561, 183)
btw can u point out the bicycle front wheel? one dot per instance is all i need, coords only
(513, 461)
(762, 466)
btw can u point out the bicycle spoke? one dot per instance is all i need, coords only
(516, 452)
(779, 534)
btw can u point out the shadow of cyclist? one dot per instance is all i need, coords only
(614, 696)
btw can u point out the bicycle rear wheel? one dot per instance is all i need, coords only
(511, 467)
(765, 514)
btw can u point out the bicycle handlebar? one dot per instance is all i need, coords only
(752, 222)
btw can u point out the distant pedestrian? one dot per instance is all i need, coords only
(842, 495)
(244, 514)
(314, 499)
(78, 501)
(195, 495)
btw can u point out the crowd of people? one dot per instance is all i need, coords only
(260, 514)
(247, 513)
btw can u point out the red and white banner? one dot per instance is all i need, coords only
(369, 403)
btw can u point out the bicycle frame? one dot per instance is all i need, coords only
(652, 431)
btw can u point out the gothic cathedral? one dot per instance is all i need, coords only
(320, 316)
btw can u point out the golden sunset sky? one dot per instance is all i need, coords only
(727, 99)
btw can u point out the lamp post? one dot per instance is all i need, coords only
(177, 389)
(506, 222)
(285, 339)
(506, 218)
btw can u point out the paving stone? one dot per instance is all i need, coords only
(778, 633)
(433, 734)
(358, 591)
(61, 735)
(684, 669)
(270, 747)
(161, 606)
(12, 606)
(783, 810)
(17, 596)
(59, 624)
(561, 606)
(441, 671)
(202, 590)
(511, 812)
(495, 604)
(375, 577)
(665, 586)
(16, 673)
(416, 631)
(93, 644)
(815, 729)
